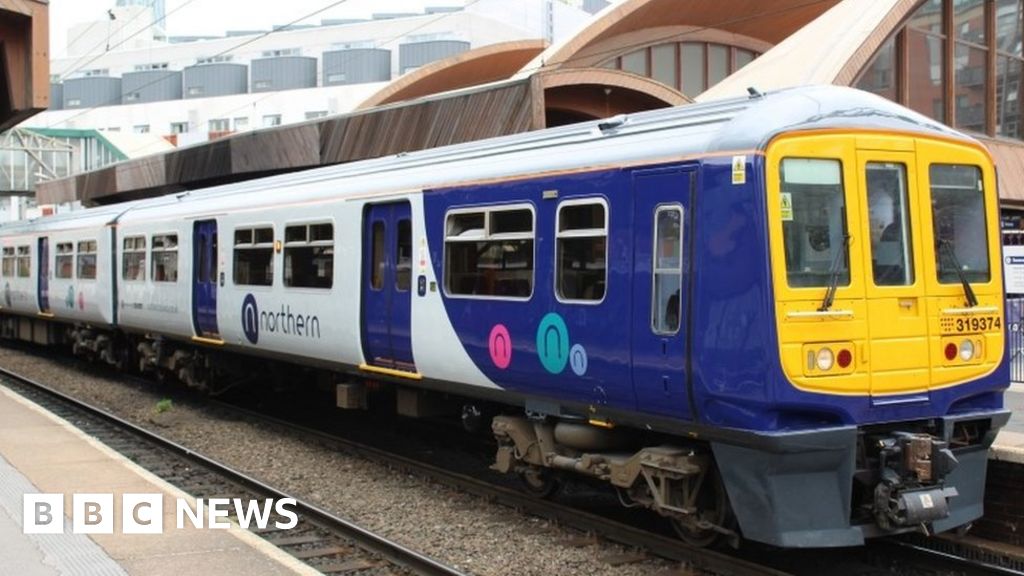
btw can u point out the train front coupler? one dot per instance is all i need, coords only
(911, 490)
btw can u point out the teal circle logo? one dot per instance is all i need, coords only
(553, 343)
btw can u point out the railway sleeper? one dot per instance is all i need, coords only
(678, 482)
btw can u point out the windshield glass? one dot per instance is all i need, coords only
(958, 217)
(813, 222)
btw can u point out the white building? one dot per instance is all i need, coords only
(266, 79)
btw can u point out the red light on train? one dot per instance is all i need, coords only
(844, 358)
(951, 351)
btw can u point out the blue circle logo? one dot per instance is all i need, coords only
(578, 360)
(251, 319)
(553, 343)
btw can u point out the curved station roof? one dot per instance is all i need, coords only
(637, 55)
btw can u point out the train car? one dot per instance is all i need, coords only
(57, 270)
(778, 317)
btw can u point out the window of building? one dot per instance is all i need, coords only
(241, 123)
(254, 256)
(489, 252)
(86, 265)
(309, 255)
(880, 76)
(165, 258)
(690, 67)
(271, 120)
(220, 125)
(815, 235)
(134, 259)
(668, 269)
(958, 218)
(64, 260)
(24, 261)
(582, 252)
(8, 262)
(179, 127)
(141, 129)
(316, 114)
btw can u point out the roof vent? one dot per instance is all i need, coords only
(613, 123)
(754, 92)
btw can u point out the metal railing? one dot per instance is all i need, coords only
(1015, 337)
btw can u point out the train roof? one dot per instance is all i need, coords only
(734, 125)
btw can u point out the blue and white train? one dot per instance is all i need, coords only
(778, 317)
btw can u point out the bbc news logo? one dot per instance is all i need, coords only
(144, 513)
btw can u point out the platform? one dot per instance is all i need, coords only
(41, 453)
(1009, 445)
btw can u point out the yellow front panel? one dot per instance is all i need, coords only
(898, 332)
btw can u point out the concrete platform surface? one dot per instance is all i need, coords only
(43, 454)
(1009, 445)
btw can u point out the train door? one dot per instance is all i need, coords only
(661, 294)
(387, 281)
(896, 307)
(204, 278)
(43, 255)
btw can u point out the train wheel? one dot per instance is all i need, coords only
(712, 509)
(540, 482)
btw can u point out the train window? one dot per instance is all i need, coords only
(892, 256)
(309, 256)
(64, 260)
(489, 252)
(582, 251)
(403, 256)
(134, 258)
(165, 258)
(814, 223)
(8, 262)
(958, 217)
(87, 260)
(24, 261)
(254, 256)
(668, 269)
(378, 262)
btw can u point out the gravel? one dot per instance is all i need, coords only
(453, 527)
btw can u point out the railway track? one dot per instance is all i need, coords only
(916, 556)
(322, 540)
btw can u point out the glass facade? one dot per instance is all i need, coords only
(957, 61)
(690, 67)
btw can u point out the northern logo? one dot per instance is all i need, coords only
(251, 319)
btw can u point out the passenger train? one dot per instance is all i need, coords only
(776, 317)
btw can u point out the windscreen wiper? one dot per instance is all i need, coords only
(972, 300)
(836, 272)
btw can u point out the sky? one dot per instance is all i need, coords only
(214, 17)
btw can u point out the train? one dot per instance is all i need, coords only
(776, 318)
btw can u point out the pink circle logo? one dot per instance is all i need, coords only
(500, 344)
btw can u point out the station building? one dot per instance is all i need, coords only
(957, 61)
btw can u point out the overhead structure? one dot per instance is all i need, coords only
(24, 60)
(27, 157)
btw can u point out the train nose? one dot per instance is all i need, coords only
(911, 491)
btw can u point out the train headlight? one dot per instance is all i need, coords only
(825, 359)
(966, 350)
